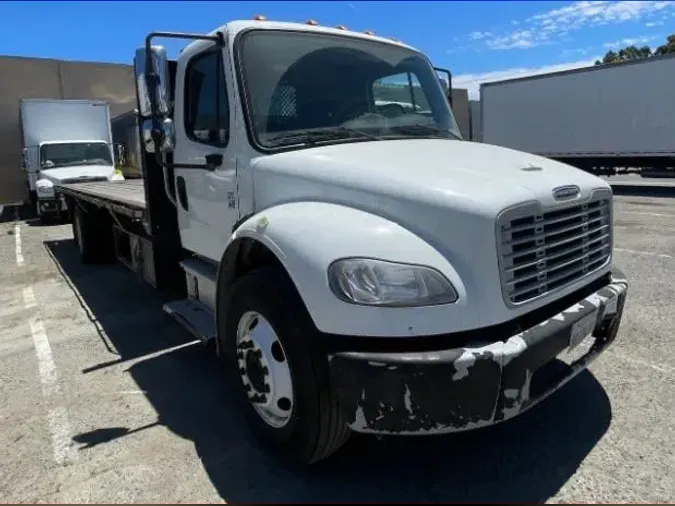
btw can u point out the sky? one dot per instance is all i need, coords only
(478, 41)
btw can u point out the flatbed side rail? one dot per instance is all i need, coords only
(123, 208)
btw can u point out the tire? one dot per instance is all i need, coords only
(93, 237)
(315, 428)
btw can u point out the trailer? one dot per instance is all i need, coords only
(596, 118)
(292, 220)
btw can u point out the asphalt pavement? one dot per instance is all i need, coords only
(106, 399)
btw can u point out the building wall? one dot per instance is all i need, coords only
(46, 78)
(460, 108)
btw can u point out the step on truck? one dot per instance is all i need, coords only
(358, 266)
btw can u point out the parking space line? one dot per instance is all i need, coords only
(29, 297)
(17, 244)
(59, 427)
(668, 215)
(43, 351)
(647, 253)
(664, 370)
(57, 417)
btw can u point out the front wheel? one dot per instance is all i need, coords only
(282, 380)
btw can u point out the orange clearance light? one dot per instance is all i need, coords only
(341, 27)
(311, 22)
(259, 17)
(368, 32)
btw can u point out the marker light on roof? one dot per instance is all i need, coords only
(341, 27)
(368, 32)
(259, 17)
(311, 22)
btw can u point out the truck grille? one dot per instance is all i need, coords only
(93, 179)
(542, 251)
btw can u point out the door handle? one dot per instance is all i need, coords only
(213, 161)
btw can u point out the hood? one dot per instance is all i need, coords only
(78, 172)
(447, 173)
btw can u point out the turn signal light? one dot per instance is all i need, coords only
(259, 17)
(341, 27)
(311, 22)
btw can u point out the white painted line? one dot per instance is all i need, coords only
(636, 361)
(59, 427)
(647, 214)
(29, 297)
(43, 351)
(647, 253)
(17, 244)
(57, 418)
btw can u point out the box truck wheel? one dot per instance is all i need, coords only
(93, 236)
(269, 342)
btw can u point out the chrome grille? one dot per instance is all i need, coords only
(541, 251)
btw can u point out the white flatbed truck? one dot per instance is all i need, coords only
(359, 268)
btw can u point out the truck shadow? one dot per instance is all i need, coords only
(527, 459)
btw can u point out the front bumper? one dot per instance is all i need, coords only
(464, 388)
(51, 205)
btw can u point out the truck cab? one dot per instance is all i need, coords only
(68, 162)
(358, 265)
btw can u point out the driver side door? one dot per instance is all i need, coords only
(206, 199)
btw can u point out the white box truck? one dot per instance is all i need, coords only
(595, 118)
(358, 266)
(64, 141)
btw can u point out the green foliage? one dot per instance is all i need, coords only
(636, 53)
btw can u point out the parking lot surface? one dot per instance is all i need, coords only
(105, 399)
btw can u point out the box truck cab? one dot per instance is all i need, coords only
(65, 141)
(359, 267)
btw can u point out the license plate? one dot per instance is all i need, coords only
(582, 328)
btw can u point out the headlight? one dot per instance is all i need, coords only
(45, 190)
(381, 283)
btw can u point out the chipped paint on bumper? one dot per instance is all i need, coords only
(459, 389)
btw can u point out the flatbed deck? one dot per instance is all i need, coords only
(126, 197)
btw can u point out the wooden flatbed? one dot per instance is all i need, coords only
(126, 197)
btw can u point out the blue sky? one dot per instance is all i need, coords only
(478, 40)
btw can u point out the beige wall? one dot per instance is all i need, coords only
(44, 78)
(460, 108)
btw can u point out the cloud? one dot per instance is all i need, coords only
(472, 82)
(617, 44)
(479, 35)
(548, 27)
(652, 24)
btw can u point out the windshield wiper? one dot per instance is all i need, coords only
(321, 135)
(424, 130)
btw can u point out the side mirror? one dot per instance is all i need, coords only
(159, 66)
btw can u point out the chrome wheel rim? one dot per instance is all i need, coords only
(264, 370)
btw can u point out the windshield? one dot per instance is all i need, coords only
(307, 88)
(68, 154)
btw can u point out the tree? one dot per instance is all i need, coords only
(668, 47)
(636, 53)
